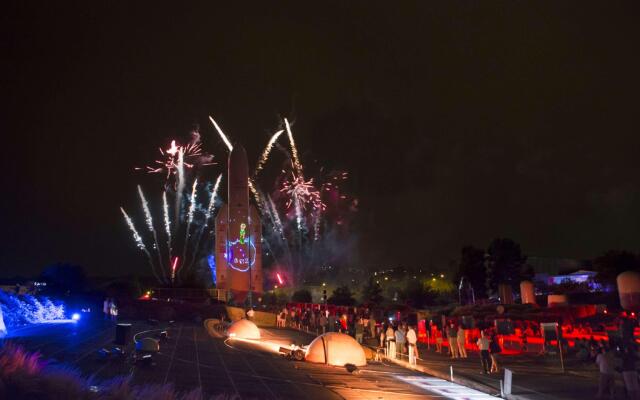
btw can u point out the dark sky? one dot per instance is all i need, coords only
(459, 121)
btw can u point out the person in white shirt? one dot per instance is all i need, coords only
(391, 342)
(485, 357)
(412, 340)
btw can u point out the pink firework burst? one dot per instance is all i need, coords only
(193, 156)
(303, 192)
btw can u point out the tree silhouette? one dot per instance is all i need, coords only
(342, 296)
(505, 264)
(301, 296)
(612, 263)
(372, 293)
(472, 267)
(64, 278)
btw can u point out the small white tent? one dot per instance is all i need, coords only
(336, 349)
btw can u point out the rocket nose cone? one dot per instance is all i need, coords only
(238, 154)
(238, 166)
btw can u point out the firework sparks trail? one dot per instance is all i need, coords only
(296, 200)
(316, 226)
(256, 196)
(294, 150)
(212, 204)
(212, 200)
(222, 135)
(138, 239)
(167, 222)
(273, 212)
(192, 209)
(149, 220)
(267, 150)
(181, 182)
(173, 269)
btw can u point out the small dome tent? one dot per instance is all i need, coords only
(244, 329)
(336, 349)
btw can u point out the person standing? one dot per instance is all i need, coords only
(372, 326)
(629, 372)
(323, 323)
(452, 338)
(461, 339)
(113, 310)
(391, 342)
(438, 335)
(332, 323)
(359, 330)
(106, 308)
(494, 350)
(400, 341)
(288, 319)
(483, 346)
(412, 340)
(606, 381)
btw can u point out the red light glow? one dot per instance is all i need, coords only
(175, 264)
(279, 278)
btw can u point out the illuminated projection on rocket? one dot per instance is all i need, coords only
(238, 259)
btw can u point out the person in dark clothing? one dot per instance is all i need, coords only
(485, 358)
(494, 350)
(629, 372)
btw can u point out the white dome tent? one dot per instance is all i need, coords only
(243, 329)
(336, 349)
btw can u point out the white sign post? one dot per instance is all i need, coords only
(508, 379)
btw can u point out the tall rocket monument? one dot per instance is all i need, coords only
(238, 248)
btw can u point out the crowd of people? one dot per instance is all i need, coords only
(398, 339)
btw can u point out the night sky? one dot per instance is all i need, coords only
(459, 122)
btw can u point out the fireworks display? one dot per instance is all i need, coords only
(305, 220)
(139, 243)
(222, 135)
(267, 150)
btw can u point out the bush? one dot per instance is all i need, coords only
(24, 376)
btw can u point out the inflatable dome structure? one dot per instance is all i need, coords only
(336, 349)
(244, 329)
(629, 290)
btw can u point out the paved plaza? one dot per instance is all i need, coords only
(192, 359)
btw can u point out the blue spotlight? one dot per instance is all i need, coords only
(75, 316)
